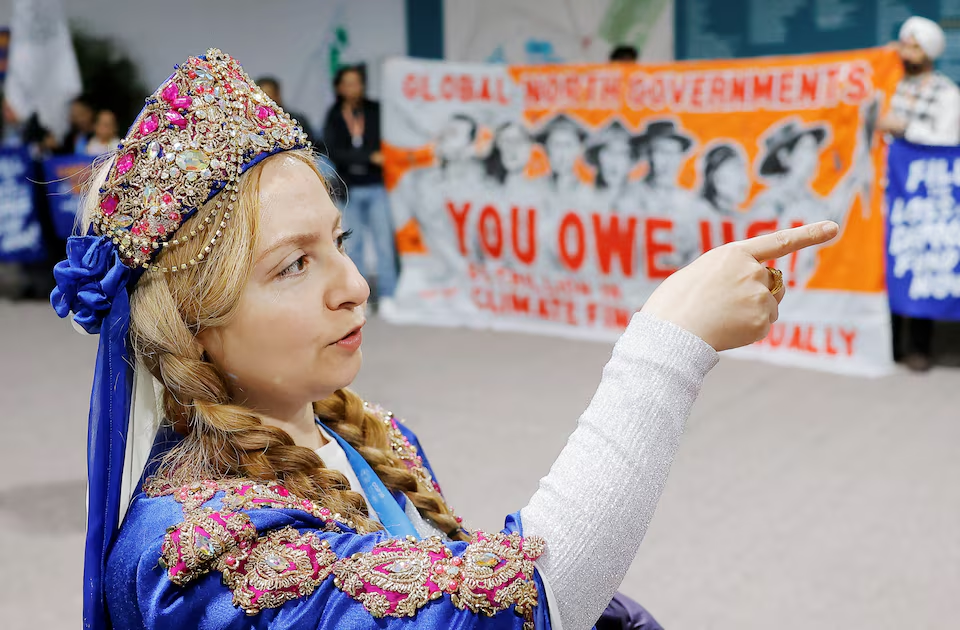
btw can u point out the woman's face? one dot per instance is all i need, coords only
(456, 141)
(563, 147)
(294, 336)
(615, 162)
(105, 128)
(804, 160)
(666, 158)
(514, 148)
(351, 86)
(732, 182)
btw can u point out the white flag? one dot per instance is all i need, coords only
(42, 71)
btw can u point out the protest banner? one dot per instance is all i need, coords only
(20, 237)
(554, 199)
(65, 177)
(923, 235)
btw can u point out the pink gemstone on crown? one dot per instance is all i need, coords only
(264, 112)
(109, 204)
(167, 199)
(176, 118)
(149, 124)
(182, 102)
(170, 92)
(124, 163)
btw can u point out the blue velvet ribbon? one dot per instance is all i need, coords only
(93, 284)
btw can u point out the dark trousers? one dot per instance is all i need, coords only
(912, 336)
(625, 614)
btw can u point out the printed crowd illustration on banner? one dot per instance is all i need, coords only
(555, 198)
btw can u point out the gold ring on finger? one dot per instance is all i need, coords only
(777, 280)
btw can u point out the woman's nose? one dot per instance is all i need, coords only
(348, 289)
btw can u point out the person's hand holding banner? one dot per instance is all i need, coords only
(726, 297)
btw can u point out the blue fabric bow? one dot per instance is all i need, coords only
(89, 280)
(93, 284)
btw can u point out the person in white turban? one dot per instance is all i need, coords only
(925, 109)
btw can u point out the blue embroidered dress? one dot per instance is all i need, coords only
(247, 554)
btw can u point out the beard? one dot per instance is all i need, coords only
(913, 69)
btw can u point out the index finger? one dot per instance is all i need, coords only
(784, 242)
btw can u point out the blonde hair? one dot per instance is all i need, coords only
(223, 439)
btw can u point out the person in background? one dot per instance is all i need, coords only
(82, 120)
(925, 109)
(666, 148)
(30, 280)
(105, 138)
(726, 180)
(271, 87)
(625, 53)
(613, 153)
(16, 131)
(352, 137)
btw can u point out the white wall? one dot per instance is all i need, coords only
(289, 39)
(483, 30)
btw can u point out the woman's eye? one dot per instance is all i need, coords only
(343, 238)
(296, 267)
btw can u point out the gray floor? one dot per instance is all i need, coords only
(798, 500)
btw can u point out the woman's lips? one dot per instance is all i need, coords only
(352, 341)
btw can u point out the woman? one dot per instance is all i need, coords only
(562, 140)
(507, 163)
(790, 164)
(520, 202)
(726, 181)
(614, 153)
(104, 138)
(268, 509)
(352, 136)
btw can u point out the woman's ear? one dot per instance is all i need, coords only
(212, 344)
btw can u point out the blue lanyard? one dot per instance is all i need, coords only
(392, 516)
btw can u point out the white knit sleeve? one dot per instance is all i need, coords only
(594, 506)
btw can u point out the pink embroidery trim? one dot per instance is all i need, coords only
(196, 545)
(247, 494)
(282, 566)
(397, 578)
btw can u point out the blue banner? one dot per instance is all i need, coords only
(923, 231)
(20, 237)
(65, 177)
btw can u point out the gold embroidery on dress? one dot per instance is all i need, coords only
(495, 572)
(247, 494)
(193, 547)
(399, 567)
(282, 566)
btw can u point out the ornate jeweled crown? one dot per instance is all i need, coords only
(204, 126)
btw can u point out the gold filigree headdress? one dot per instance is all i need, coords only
(201, 129)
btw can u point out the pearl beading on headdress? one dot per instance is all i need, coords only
(197, 134)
